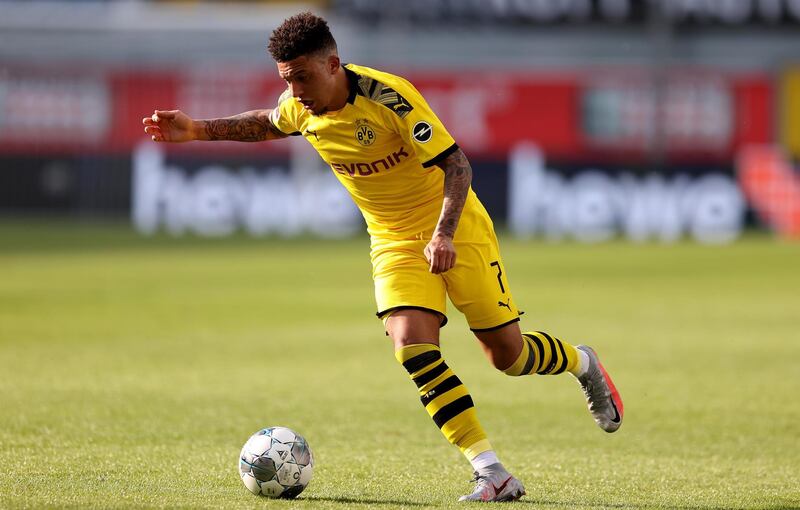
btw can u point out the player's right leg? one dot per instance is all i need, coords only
(415, 334)
(411, 301)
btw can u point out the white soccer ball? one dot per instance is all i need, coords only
(276, 462)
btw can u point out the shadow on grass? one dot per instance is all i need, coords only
(562, 504)
(367, 502)
(634, 506)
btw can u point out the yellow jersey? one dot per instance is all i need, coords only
(383, 146)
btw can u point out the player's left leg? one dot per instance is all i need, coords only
(537, 352)
(478, 286)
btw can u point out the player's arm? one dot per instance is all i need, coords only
(176, 126)
(440, 251)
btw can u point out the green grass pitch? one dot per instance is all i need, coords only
(132, 370)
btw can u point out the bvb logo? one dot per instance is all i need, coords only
(364, 134)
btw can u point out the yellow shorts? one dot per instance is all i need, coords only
(477, 284)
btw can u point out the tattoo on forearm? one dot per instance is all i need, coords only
(457, 179)
(246, 127)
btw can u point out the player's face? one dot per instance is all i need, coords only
(311, 80)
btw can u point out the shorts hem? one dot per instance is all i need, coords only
(493, 328)
(383, 313)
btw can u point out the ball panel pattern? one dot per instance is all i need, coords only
(276, 462)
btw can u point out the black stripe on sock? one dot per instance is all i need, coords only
(539, 349)
(563, 358)
(452, 410)
(421, 361)
(430, 375)
(553, 357)
(531, 358)
(440, 389)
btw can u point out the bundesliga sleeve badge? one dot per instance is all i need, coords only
(422, 132)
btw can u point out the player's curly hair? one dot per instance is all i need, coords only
(302, 34)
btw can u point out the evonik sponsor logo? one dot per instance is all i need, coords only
(374, 167)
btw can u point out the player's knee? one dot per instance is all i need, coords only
(402, 335)
(404, 340)
(409, 327)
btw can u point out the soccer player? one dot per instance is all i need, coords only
(430, 235)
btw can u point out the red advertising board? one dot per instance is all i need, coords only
(573, 116)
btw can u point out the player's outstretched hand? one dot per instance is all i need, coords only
(441, 254)
(169, 126)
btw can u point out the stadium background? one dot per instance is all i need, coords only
(153, 316)
(583, 119)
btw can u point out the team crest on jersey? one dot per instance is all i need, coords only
(365, 135)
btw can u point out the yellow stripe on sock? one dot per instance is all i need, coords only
(407, 352)
(477, 448)
(446, 398)
(557, 356)
(523, 360)
(465, 431)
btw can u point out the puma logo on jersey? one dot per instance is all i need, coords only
(401, 104)
(363, 169)
(507, 304)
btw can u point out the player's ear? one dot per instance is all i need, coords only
(333, 63)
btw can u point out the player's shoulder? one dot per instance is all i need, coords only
(286, 105)
(368, 75)
(287, 115)
(285, 96)
(390, 90)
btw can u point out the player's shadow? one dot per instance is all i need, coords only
(544, 503)
(636, 506)
(366, 502)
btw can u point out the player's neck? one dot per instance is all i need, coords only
(341, 93)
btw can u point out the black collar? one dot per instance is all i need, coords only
(352, 80)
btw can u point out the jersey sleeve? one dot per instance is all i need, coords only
(283, 116)
(420, 127)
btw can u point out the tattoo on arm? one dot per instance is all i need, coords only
(457, 179)
(253, 126)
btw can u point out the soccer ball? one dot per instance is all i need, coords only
(276, 462)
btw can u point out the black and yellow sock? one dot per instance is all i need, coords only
(445, 398)
(544, 355)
